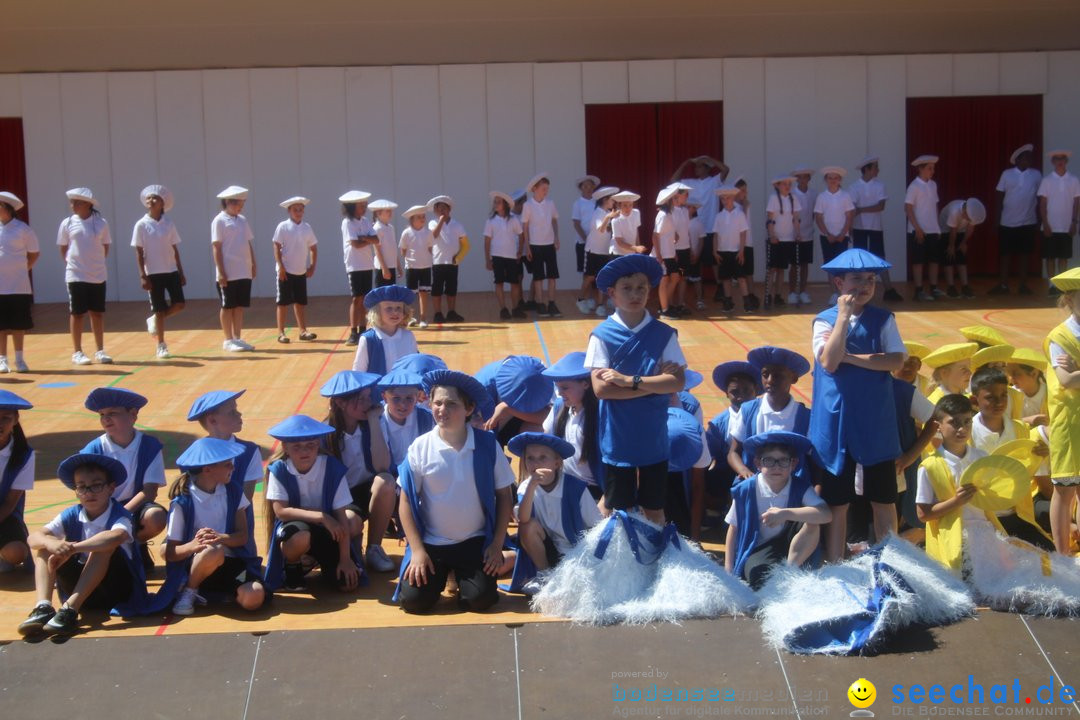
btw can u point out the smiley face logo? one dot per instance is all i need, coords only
(862, 693)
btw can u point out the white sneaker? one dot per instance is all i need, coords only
(793, 299)
(244, 345)
(79, 358)
(592, 304)
(583, 307)
(101, 357)
(602, 311)
(3, 365)
(804, 297)
(151, 324)
(185, 604)
(422, 324)
(21, 366)
(162, 351)
(232, 346)
(376, 559)
(532, 587)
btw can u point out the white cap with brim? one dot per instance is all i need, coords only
(583, 178)
(441, 199)
(924, 160)
(727, 191)
(294, 200)
(12, 200)
(415, 210)
(535, 179)
(161, 191)
(233, 192)
(834, 170)
(975, 211)
(782, 178)
(680, 187)
(666, 194)
(603, 192)
(803, 170)
(625, 196)
(1020, 151)
(354, 196)
(382, 204)
(868, 160)
(83, 194)
(1059, 153)
(502, 196)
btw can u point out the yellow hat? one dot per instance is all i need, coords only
(992, 354)
(983, 334)
(1068, 280)
(916, 349)
(1020, 449)
(948, 354)
(1002, 482)
(1030, 357)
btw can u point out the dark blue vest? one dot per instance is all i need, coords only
(240, 466)
(596, 463)
(7, 479)
(748, 415)
(376, 356)
(573, 526)
(136, 604)
(149, 447)
(744, 498)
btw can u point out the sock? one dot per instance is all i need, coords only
(18, 355)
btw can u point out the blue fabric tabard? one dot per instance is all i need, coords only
(376, 356)
(149, 447)
(744, 497)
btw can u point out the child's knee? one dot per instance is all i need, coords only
(297, 544)
(416, 600)
(14, 552)
(153, 522)
(479, 595)
(251, 595)
(212, 557)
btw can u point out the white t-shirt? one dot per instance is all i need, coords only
(986, 439)
(664, 227)
(385, 234)
(1020, 204)
(254, 470)
(582, 212)
(923, 198)
(157, 238)
(784, 222)
(833, 208)
(766, 499)
(952, 216)
(1033, 405)
(504, 232)
(352, 455)
(807, 229)
(1060, 192)
(24, 480)
(924, 494)
(443, 478)
(296, 241)
(16, 240)
(90, 528)
(728, 228)
(417, 248)
(210, 511)
(129, 457)
(310, 485)
(1055, 350)
(768, 419)
(682, 227)
(234, 235)
(573, 433)
(625, 227)
(85, 241)
(400, 437)
(547, 509)
(596, 356)
(357, 259)
(867, 194)
(890, 335)
(696, 232)
(447, 242)
(597, 242)
(403, 342)
(704, 191)
(539, 216)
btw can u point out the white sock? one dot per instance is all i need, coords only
(18, 355)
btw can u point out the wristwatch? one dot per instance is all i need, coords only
(637, 381)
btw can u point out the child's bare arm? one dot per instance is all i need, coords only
(887, 362)
(734, 459)
(927, 512)
(912, 454)
(286, 513)
(729, 549)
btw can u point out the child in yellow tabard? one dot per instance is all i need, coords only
(951, 369)
(1062, 348)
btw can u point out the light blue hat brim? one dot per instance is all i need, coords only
(208, 451)
(211, 401)
(519, 442)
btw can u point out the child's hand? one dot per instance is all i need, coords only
(543, 475)
(333, 527)
(281, 273)
(639, 248)
(616, 378)
(1066, 363)
(669, 368)
(773, 516)
(493, 560)
(420, 568)
(311, 271)
(61, 553)
(488, 264)
(746, 474)
(1040, 450)
(964, 493)
(502, 411)
(845, 304)
(920, 236)
(740, 256)
(386, 273)
(347, 575)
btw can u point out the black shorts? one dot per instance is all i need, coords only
(323, 548)
(13, 529)
(418, 279)
(683, 256)
(707, 243)
(625, 487)
(1016, 527)
(830, 250)
(803, 253)
(552, 552)
(728, 267)
(506, 270)
(545, 262)
(361, 498)
(86, 297)
(928, 251)
(380, 281)
(579, 252)
(671, 266)
(1059, 246)
(778, 255)
(113, 589)
(769, 554)
(870, 240)
(229, 576)
(360, 282)
(15, 312)
(959, 259)
(1016, 240)
(236, 294)
(444, 280)
(879, 483)
(478, 590)
(595, 262)
(162, 283)
(746, 270)
(292, 290)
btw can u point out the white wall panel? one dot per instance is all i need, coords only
(604, 82)
(976, 74)
(370, 117)
(699, 80)
(417, 136)
(886, 136)
(840, 109)
(929, 75)
(1023, 73)
(789, 118)
(651, 80)
(10, 96)
(510, 151)
(744, 136)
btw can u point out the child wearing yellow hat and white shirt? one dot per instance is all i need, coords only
(951, 369)
(1062, 348)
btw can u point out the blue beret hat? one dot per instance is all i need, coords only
(419, 363)
(299, 427)
(347, 382)
(693, 379)
(684, 438)
(722, 373)
(799, 443)
(109, 397)
(467, 384)
(113, 468)
(518, 443)
(211, 401)
(208, 451)
(856, 260)
(520, 383)
(401, 378)
(389, 293)
(770, 355)
(628, 265)
(569, 367)
(11, 401)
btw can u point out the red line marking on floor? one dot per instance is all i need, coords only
(987, 316)
(740, 343)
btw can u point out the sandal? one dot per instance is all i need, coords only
(308, 335)
(282, 339)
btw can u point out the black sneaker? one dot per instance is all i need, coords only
(553, 309)
(1002, 289)
(1025, 290)
(729, 305)
(354, 337)
(718, 296)
(147, 558)
(892, 296)
(35, 621)
(967, 292)
(532, 305)
(504, 314)
(294, 577)
(64, 622)
(685, 311)
(453, 317)
(952, 293)
(438, 319)
(1053, 291)
(542, 310)
(778, 301)
(669, 314)
(751, 302)
(519, 313)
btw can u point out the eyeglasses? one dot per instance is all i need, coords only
(778, 462)
(90, 489)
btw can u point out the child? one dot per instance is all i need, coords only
(1027, 370)
(709, 174)
(625, 239)
(575, 417)
(681, 214)
(983, 335)
(740, 382)
(697, 235)
(991, 426)
(775, 515)
(582, 213)
(385, 247)
(775, 410)
(746, 269)
(730, 233)
(295, 254)
(540, 235)
(782, 210)
(386, 338)
(597, 250)
(924, 230)
(521, 395)
(553, 507)
(358, 442)
(804, 248)
(17, 462)
(234, 263)
(867, 228)
(502, 254)
(450, 246)
(916, 429)
(416, 247)
(208, 533)
(663, 249)
(856, 346)
(358, 240)
(636, 364)
(1059, 206)
(1019, 221)
(834, 213)
(141, 456)
(1062, 348)
(155, 239)
(86, 552)
(951, 366)
(958, 220)
(309, 494)
(404, 419)
(19, 251)
(456, 501)
(997, 357)
(84, 244)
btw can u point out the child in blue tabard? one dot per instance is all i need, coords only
(575, 417)
(87, 552)
(141, 456)
(456, 501)
(309, 495)
(522, 395)
(775, 515)
(776, 409)
(688, 457)
(16, 478)
(740, 382)
(208, 533)
(636, 364)
(358, 442)
(856, 347)
(218, 414)
(387, 337)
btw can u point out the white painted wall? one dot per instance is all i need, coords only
(411, 132)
